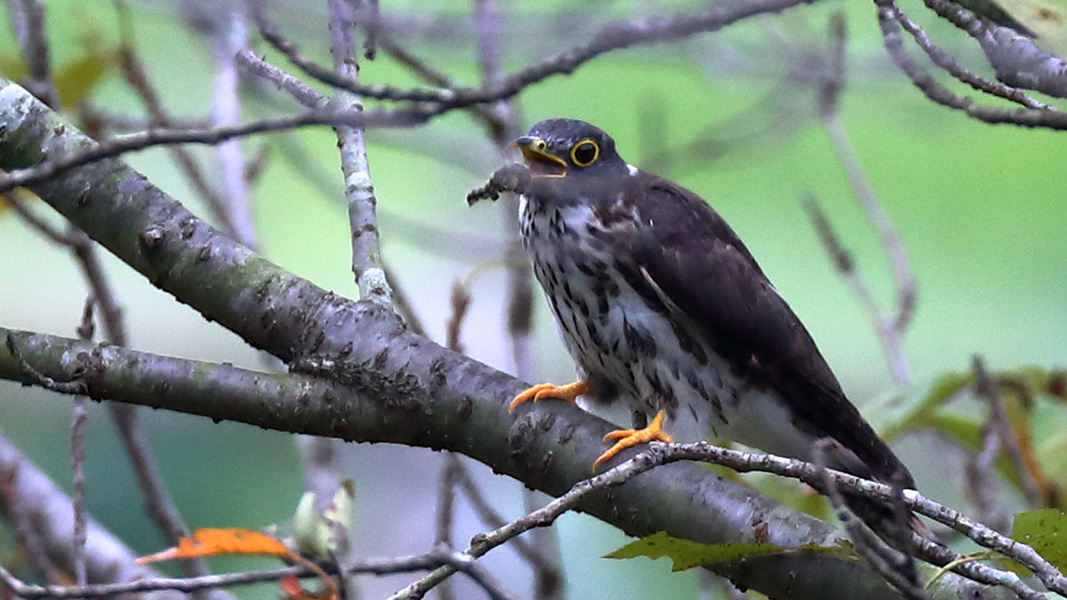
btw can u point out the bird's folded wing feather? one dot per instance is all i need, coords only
(701, 265)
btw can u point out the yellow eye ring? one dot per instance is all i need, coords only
(585, 153)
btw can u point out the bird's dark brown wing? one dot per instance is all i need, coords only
(700, 264)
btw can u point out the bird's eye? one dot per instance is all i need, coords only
(585, 153)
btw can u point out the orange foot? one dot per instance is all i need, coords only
(568, 392)
(632, 437)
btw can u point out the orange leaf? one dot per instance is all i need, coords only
(291, 586)
(212, 542)
(294, 591)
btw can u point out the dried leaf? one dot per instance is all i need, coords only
(213, 542)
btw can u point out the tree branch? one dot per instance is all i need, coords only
(549, 446)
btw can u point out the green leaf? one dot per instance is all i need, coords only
(686, 554)
(944, 388)
(12, 66)
(76, 79)
(1045, 531)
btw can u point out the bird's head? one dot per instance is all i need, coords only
(570, 150)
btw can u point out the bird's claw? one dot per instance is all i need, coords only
(631, 437)
(569, 393)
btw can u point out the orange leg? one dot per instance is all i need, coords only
(569, 392)
(632, 437)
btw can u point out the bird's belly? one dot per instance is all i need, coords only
(709, 399)
(651, 359)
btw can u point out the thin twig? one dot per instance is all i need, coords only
(890, 328)
(402, 304)
(359, 187)
(896, 567)
(230, 36)
(426, 72)
(888, 337)
(373, 28)
(1023, 117)
(31, 218)
(612, 37)
(460, 300)
(491, 518)
(259, 67)
(793, 468)
(27, 19)
(483, 543)
(103, 122)
(980, 483)
(446, 501)
(944, 60)
(157, 501)
(543, 554)
(79, 418)
(1015, 58)
(1001, 425)
(50, 169)
(985, 536)
(401, 564)
(41, 517)
(136, 76)
(73, 386)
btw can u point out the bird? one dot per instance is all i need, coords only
(668, 315)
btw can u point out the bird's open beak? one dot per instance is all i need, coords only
(538, 159)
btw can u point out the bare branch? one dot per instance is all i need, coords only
(31, 218)
(888, 337)
(715, 510)
(230, 37)
(77, 457)
(483, 543)
(890, 329)
(945, 61)
(491, 518)
(259, 67)
(612, 37)
(49, 170)
(896, 567)
(1015, 58)
(1000, 423)
(27, 20)
(446, 501)
(980, 481)
(373, 28)
(401, 564)
(543, 553)
(359, 188)
(424, 71)
(402, 304)
(136, 75)
(1023, 117)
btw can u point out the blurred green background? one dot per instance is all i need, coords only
(733, 116)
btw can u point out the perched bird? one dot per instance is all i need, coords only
(666, 312)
